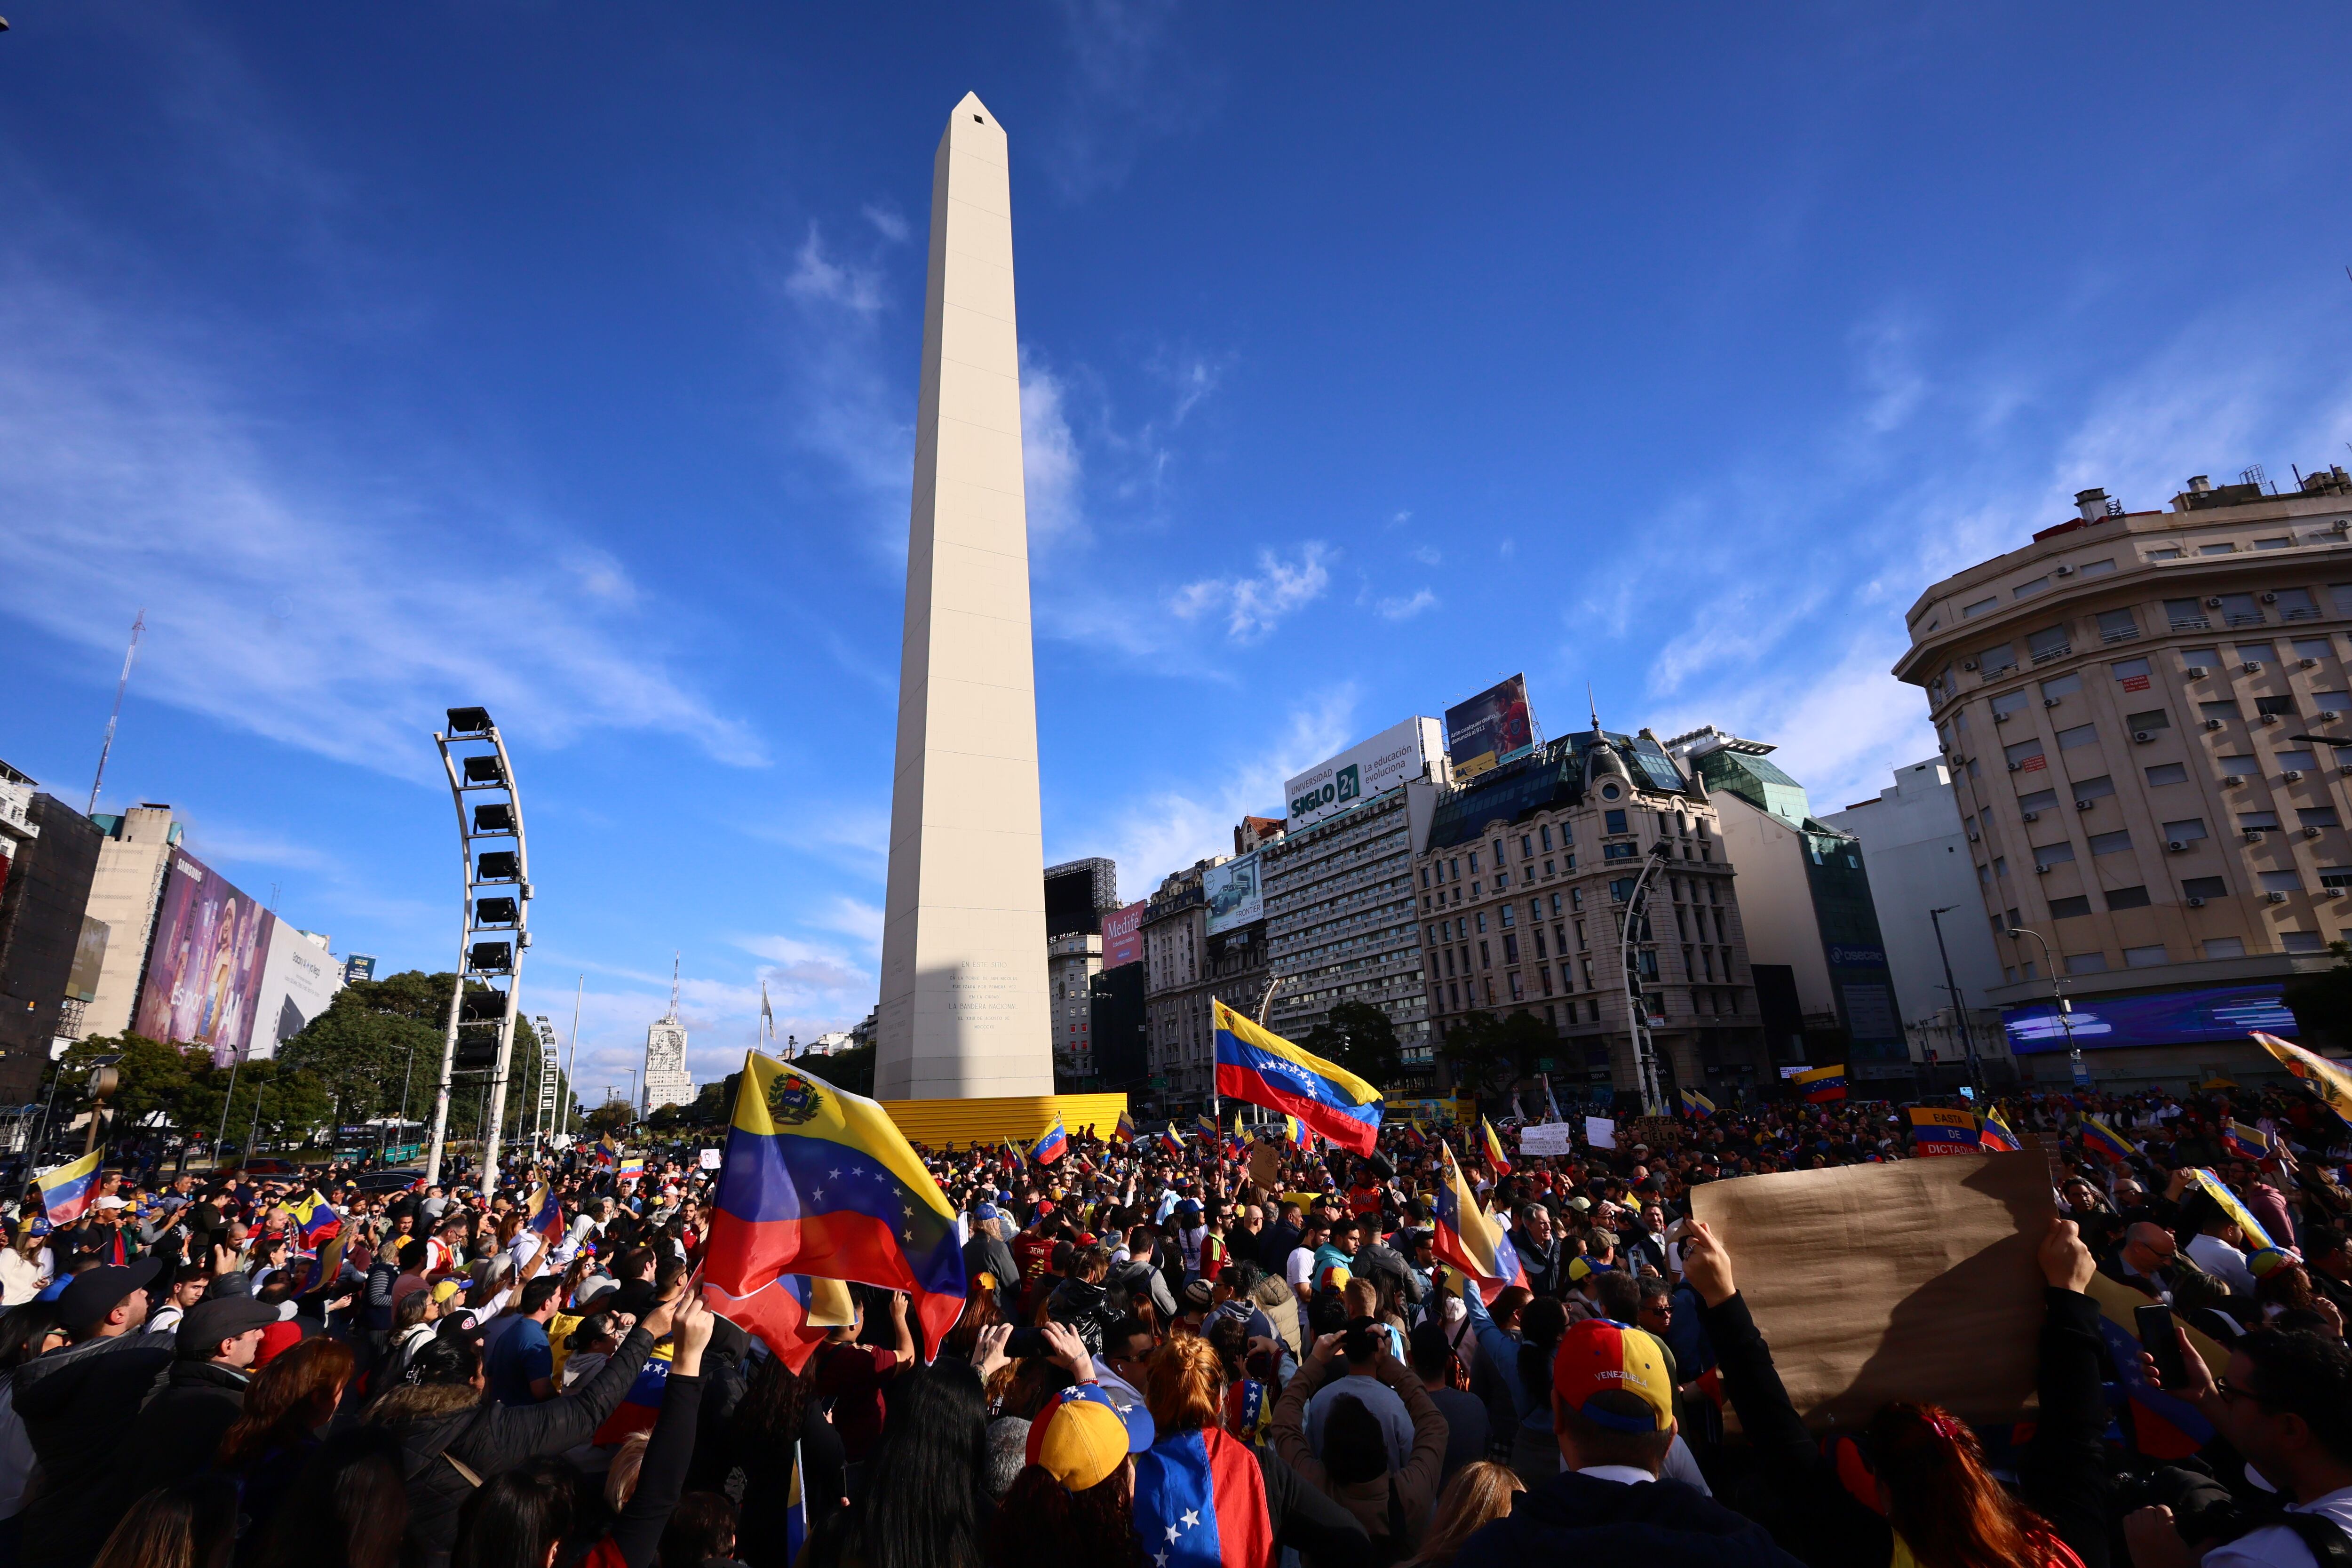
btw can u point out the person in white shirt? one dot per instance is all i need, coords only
(1299, 1268)
(2214, 1248)
(2286, 1402)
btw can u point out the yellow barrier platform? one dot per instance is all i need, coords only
(1016, 1119)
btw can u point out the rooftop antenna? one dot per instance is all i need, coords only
(672, 1016)
(138, 626)
(1595, 704)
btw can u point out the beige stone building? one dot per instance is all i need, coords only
(2144, 713)
(124, 894)
(1185, 968)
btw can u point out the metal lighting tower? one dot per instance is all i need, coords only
(1959, 1002)
(106, 747)
(1646, 1049)
(492, 940)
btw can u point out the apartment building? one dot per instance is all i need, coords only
(1523, 884)
(2144, 716)
(1339, 921)
(1186, 968)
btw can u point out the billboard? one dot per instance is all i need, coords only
(1234, 894)
(1361, 772)
(296, 982)
(204, 972)
(359, 966)
(1489, 729)
(2212, 1015)
(1122, 934)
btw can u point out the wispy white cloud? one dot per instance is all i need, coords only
(1405, 609)
(819, 276)
(1427, 554)
(888, 221)
(1131, 84)
(1053, 468)
(1254, 607)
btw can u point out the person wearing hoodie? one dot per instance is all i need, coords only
(1354, 1466)
(1612, 1404)
(77, 1402)
(452, 1439)
(1082, 1303)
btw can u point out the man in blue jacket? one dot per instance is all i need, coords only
(1612, 1405)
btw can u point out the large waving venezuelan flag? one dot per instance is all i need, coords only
(1265, 1069)
(819, 1182)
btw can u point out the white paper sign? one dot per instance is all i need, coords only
(1549, 1138)
(1600, 1131)
(710, 1159)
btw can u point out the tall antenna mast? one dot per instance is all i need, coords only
(1594, 703)
(673, 989)
(138, 626)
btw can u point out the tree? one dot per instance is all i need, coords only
(612, 1116)
(1488, 1052)
(371, 1045)
(155, 1077)
(851, 1069)
(1360, 1037)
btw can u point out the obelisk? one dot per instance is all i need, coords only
(963, 1010)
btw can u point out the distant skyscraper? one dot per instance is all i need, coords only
(666, 1081)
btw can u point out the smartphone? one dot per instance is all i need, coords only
(2157, 1338)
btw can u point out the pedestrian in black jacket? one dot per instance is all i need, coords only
(77, 1403)
(179, 1428)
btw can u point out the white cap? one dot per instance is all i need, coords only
(111, 1202)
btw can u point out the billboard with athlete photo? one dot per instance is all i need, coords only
(1490, 729)
(203, 973)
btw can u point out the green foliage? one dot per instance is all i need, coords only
(377, 1040)
(1489, 1052)
(188, 1091)
(851, 1069)
(613, 1116)
(1359, 1037)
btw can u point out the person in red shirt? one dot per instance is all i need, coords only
(851, 1376)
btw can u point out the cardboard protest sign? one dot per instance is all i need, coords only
(1266, 1165)
(1548, 1138)
(1914, 1280)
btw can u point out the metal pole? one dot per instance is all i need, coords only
(2058, 997)
(498, 1104)
(457, 988)
(572, 1061)
(106, 747)
(1646, 1059)
(1959, 1002)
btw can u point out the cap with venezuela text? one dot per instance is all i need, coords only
(1598, 1355)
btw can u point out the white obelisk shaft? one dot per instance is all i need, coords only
(963, 1008)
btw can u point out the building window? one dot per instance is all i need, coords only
(2302, 941)
(2069, 908)
(2080, 735)
(2185, 615)
(2099, 788)
(1527, 844)
(1575, 899)
(2040, 800)
(2144, 957)
(2127, 898)
(2282, 881)
(1980, 607)
(1518, 987)
(2257, 821)
(1543, 977)
(2024, 757)
(2279, 706)
(2318, 816)
(1482, 922)
(1545, 833)
(2029, 587)
(1473, 862)
(1612, 821)
(2241, 767)
(2206, 887)
(2087, 963)
(2057, 854)
(1485, 960)
(2114, 843)
(2168, 774)
(1510, 950)
(2131, 674)
(2314, 648)
(2049, 643)
(2225, 947)
(2117, 626)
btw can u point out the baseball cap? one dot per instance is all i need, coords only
(446, 1291)
(110, 1202)
(1598, 1356)
(1080, 1436)
(221, 1318)
(82, 1304)
(1188, 1205)
(985, 1211)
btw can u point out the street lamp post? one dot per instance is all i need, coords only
(1645, 1051)
(2058, 995)
(1959, 1002)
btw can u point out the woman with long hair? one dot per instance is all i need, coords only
(1073, 1500)
(27, 1266)
(1944, 1508)
(1479, 1494)
(188, 1524)
(346, 1510)
(287, 1407)
(779, 1417)
(924, 1505)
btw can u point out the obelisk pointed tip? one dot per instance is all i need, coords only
(971, 110)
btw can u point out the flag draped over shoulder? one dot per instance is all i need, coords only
(1199, 1502)
(1264, 1069)
(1468, 1238)
(2332, 1084)
(67, 1191)
(818, 1181)
(1821, 1086)
(1938, 1131)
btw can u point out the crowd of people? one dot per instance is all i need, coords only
(1174, 1352)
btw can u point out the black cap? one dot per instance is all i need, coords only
(222, 1317)
(84, 1304)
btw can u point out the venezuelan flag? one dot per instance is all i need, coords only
(1938, 1131)
(1170, 1143)
(1264, 1069)
(607, 1152)
(1294, 1132)
(641, 1407)
(1695, 1103)
(326, 1267)
(2330, 1082)
(2106, 1143)
(1050, 1146)
(1496, 1157)
(1821, 1086)
(796, 1507)
(2164, 1426)
(2246, 1142)
(1993, 1135)
(68, 1190)
(818, 1181)
(2228, 1200)
(790, 1314)
(316, 1218)
(1199, 1502)
(1469, 1240)
(1206, 1126)
(1416, 1136)
(1126, 1133)
(546, 1213)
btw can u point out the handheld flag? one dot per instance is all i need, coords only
(1170, 1143)
(1994, 1136)
(1468, 1238)
(66, 1190)
(2106, 1143)
(1496, 1159)
(1051, 1145)
(1297, 1135)
(1264, 1069)
(631, 1168)
(1126, 1133)
(1206, 1126)
(2230, 1206)
(315, 1218)
(2246, 1142)
(1938, 1131)
(641, 1407)
(795, 1511)
(607, 1152)
(819, 1181)
(2164, 1426)
(2330, 1082)
(1551, 1104)
(1821, 1086)
(326, 1267)
(546, 1213)
(1696, 1103)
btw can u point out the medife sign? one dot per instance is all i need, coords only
(1361, 772)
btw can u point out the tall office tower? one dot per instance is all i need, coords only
(963, 1010)
(666, 1081)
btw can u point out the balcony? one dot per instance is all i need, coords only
(2188, 623)
(2056, 650)
(2242, 618)
(2300, 612)
(2120, 634)
(1985, 677)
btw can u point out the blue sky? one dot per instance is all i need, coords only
(563, 358)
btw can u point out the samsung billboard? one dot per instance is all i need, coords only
(1234, 894)
(2217, 1014)
(1361, 772)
